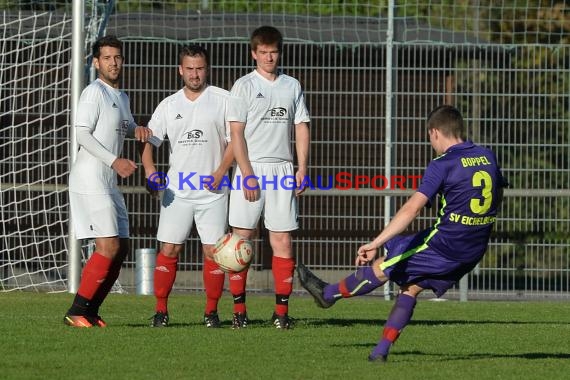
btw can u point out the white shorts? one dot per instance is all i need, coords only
(277, 199)
(99, 215)
(177, 217)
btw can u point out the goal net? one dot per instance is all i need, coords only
(35, 66)
(34, 142)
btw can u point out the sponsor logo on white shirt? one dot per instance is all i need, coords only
(193, 137)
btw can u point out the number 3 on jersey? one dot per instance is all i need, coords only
(482, 179)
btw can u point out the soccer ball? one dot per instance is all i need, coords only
(233, 253)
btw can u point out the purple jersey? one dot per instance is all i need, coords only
(469, 181)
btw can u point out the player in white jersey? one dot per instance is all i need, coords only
(264, 106)
(200, 155)
(97, 206)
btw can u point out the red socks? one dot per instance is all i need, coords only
(237, 288)
(164, 276)
(283, 270)
(94, 274)
(107, 285)
(213, 283)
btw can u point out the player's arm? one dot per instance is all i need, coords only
(302, 141)
(147, 159)
(403, 218)
(251, 186)
(122, 166)
(140, 133)
(150, 170)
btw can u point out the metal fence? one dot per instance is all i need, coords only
(514, 101)
(346, 87)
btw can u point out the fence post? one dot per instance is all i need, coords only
(388, 152)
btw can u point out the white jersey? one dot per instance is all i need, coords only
(269, 109)
(198, 135)
(106, 113)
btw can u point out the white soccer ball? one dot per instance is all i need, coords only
(233, 253)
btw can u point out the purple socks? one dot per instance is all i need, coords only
(361, 282)
(400, 316)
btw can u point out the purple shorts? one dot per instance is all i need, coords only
(410, 261)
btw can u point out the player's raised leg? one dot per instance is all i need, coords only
(362, 281)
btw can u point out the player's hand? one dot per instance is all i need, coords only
(153, 186)
(366, 254)
(124, 167)
(216, 178)
(251, 189)
(142, 134)
(300, 177)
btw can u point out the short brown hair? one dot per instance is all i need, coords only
(106, 41)
(447, 120)
(194, 50)
(266, 35)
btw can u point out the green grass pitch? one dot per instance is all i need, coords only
(446, 340)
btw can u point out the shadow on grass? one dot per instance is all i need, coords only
(448, 357)
(225, 324)
(405, 355)
(346, 322)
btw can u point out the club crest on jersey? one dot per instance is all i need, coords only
(194, 134)
(275, 115)
(277, 112)
(193, 137)
(123, 127)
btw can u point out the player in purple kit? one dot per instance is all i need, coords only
(469, 183)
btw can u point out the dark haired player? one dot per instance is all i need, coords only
(97, 205)
(469, 183)
(194, 119)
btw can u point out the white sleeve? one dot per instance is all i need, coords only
(228, 132)
(87, 111)
(228, 135)
(301, 111)
(132, 126)
(89, 143)
(237, 104)
(157, 125)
